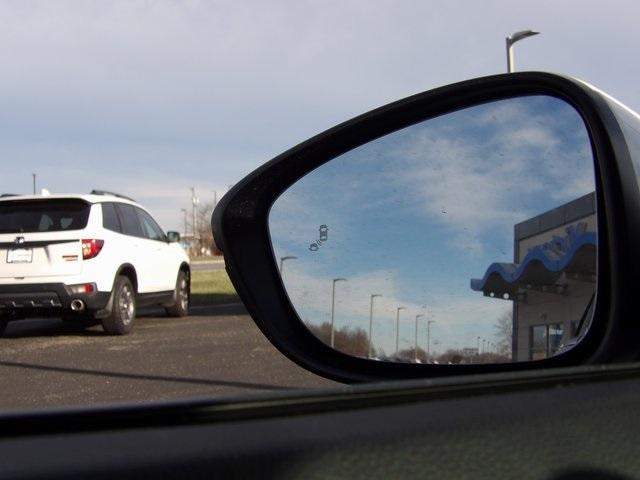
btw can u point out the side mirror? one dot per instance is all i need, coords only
(484, 226)
(173, 237)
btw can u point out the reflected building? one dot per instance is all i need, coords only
(552, 279)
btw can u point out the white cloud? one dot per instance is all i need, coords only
(459, 318)
(245, 81)
(477, 181)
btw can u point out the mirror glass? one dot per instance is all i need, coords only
(466, 238)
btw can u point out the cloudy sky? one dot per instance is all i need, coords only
(152, 97)
(415, 215)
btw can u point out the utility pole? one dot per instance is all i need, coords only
(184, 211)
(34, 183)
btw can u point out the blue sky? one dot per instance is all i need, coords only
(416, 214)
(151, 98)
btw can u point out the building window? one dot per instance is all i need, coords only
(545, 340)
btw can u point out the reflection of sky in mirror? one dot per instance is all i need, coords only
(416, 214)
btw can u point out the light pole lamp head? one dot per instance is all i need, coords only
(522, 34)
(282, 260)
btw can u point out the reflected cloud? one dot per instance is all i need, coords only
(418, 213)
(459, 318)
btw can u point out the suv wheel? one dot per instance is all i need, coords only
(123, 308)
(181, 306)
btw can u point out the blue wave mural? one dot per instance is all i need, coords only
(543, 264)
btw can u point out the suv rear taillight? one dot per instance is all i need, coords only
(91, 248)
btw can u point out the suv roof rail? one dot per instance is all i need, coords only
(3, 195)
(105, 192)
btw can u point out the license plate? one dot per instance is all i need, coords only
(20, 255)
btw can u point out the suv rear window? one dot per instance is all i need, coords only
(110, 219)
(55, 215)
(130, 222)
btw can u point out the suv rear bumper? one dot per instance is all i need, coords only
(45, 298)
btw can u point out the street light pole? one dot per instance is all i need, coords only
(194, 204)
(282, 260)
(398, 328)
(34, 183)
(513, 38)
(415, 344)
(374, 295)
(333, 306)
(429, 322)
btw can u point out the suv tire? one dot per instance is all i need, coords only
(123, 308)
(181, 295)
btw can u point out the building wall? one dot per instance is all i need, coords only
(536, 307)
(544, 308)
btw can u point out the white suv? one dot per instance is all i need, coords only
(98, 256)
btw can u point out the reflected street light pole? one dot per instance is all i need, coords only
(478, 346)
(371, 323)
(333, 306)
(513, 38)
(398, 328)
(484, 349)
(415, 345)
(282, 260)
(429, 322)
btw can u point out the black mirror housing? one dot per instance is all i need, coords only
(240, 226)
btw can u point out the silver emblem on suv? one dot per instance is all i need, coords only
(19, 240)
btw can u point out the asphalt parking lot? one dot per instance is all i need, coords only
(217, 351)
